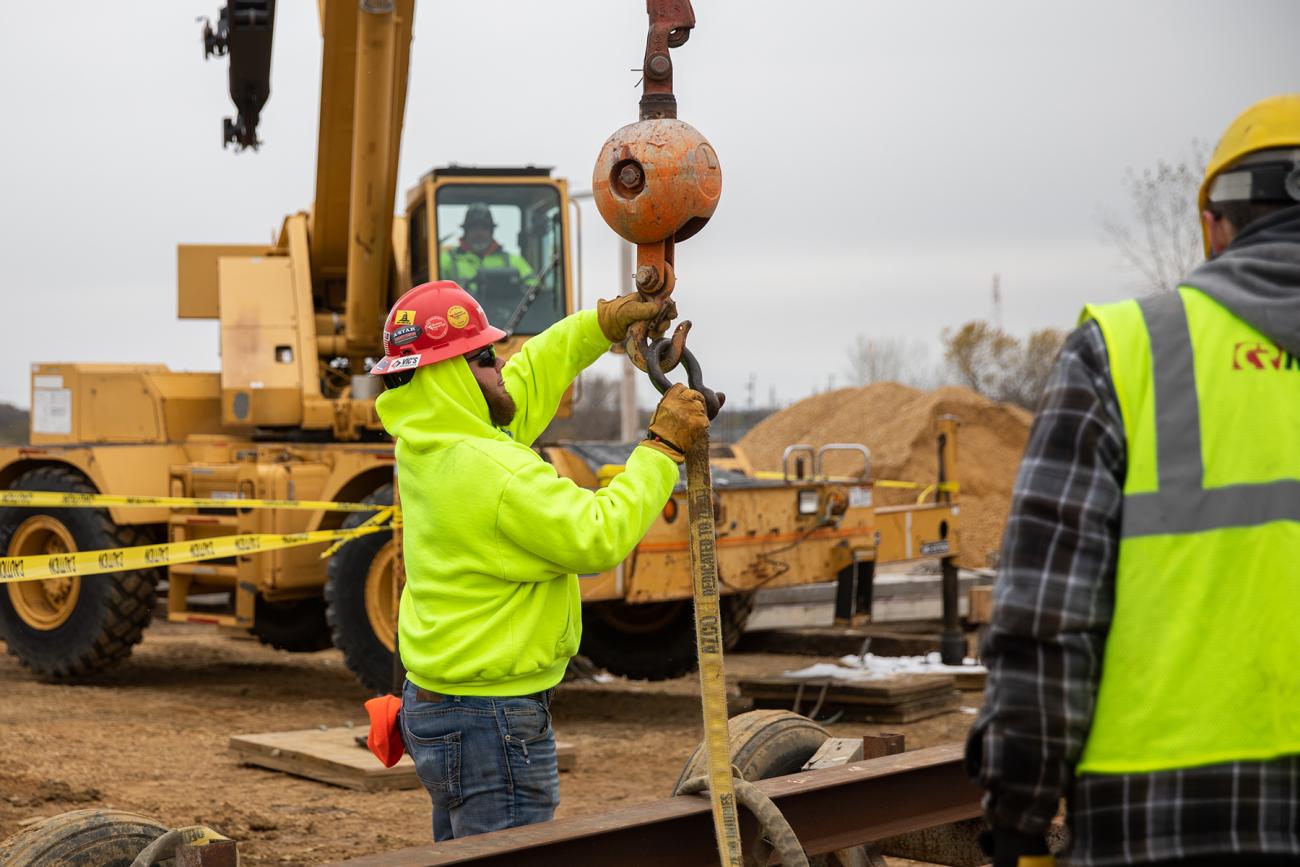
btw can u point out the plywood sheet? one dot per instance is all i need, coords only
(336, 756)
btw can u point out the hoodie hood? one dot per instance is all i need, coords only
(1258, 277)
(440, 406)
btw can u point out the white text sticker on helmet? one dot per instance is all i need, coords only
(458, 316)
(407, 362)
(404, 317)
(435, 327)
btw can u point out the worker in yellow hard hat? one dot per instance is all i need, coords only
(1144, 662)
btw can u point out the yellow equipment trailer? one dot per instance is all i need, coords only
(291, 415)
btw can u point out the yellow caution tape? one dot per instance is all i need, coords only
(880, 483)
(62, 500)
(38, 567)
(377, 518)
(947, 487)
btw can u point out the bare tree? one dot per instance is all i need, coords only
(888, 359)
(1160, 239)
(980, 355)
(993, 363)
(1029, 377)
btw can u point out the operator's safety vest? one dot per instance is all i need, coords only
(1202, 663)
(465, 264)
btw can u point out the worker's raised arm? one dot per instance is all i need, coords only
(575, 530)
(536, 377)
(571, 529)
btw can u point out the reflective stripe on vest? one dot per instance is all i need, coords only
(1202, 663)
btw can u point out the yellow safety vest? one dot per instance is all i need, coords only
(463, 266)
(1202, 663)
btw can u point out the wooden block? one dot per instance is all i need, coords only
(835, 752)
(903, 712)
(334, 756)
(883, 744)
(980, 604)
(970, 680)
(909, 712)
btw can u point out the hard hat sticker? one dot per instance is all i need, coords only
(406, 362)
(435, 327)
(404, 335)
(404, 317)
(458, 316)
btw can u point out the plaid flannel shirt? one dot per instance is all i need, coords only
(1053, 601)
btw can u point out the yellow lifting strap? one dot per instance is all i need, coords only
(708, 644)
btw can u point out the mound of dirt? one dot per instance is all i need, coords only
(897, 424)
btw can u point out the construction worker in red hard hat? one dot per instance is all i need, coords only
(1143, 655)
(494, 538)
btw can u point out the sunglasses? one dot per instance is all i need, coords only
(485, 357)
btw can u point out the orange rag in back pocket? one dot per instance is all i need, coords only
(385, 738)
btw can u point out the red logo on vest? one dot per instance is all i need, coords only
(1255, 355)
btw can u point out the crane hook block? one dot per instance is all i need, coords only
(243, 33)
(657, 179)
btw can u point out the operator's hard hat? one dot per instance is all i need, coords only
(478, 214)
(433, 322)
(1273, 125)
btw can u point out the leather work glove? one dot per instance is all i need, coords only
(1014, 849)
(618, 315)
(678, 421)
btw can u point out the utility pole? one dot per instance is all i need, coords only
(997, 301)
(629, 428)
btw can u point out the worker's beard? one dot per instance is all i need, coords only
(501, 406)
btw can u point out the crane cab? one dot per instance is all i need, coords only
(503, 235)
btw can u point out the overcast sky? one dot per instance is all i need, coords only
(881, 161)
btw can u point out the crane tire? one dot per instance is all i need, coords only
(295, 625)
(351, 624)
(654, 640)
(106, 617)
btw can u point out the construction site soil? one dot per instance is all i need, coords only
(151, 737)
(897, 424)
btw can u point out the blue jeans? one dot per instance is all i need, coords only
(487, 763)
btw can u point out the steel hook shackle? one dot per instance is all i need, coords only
(713, 400)
(657, 181)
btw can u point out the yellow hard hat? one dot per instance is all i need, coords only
(1270, 123)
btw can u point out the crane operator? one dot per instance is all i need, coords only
(478, 250)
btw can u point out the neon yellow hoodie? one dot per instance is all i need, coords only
(493, 536)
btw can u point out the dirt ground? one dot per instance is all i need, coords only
(151, 738)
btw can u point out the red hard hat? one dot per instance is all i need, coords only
(431, 323)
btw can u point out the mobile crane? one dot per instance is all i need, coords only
(290, 415)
